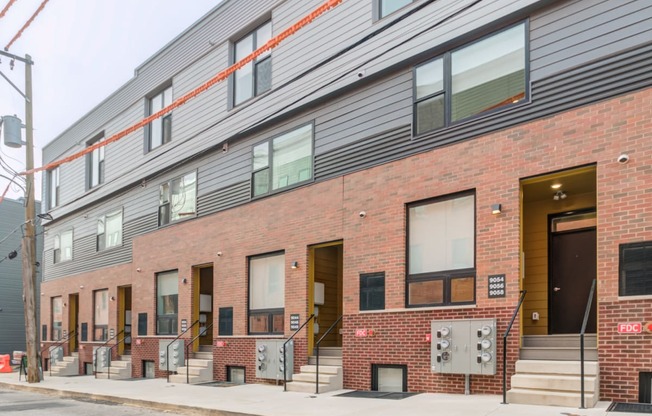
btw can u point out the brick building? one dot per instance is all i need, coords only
(394, 168)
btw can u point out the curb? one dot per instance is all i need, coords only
(166, 407)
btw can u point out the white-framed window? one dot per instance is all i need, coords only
(283, 161)
(386, 7)
(159, 131)
(178, 199)
(63, 247)
(481, 77)
(57, 318)
(53, 188)
(267, 294)
(441, 251)
(256, 77)
(109, 230)
(167, 302)
(95, 161)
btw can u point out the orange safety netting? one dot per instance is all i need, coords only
(4, 11)
(26, 25)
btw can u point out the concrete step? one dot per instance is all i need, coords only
(330, 379)
(557, 353)
(195, 371)
(303, 387)
(312, 378)
(323, 369)
(550, 398)
(556, 367)
(69, 366)
(555, 382)
(121, 364)
(181, 379)
(325, 360)
(202, 355)
(559, 341)
(70, 359)
(206, 348)
(329, 351)
(198, 362)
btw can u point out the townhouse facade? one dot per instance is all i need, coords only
(393, 173)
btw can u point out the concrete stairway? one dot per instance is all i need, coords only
(558, 347)
(330, 373)
(554, 383)
(66, 368)
(199, 369)
(120, 369)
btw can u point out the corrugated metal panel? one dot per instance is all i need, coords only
(223, 199)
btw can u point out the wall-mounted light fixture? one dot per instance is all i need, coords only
(45, 216)
(81, 286)
(496, 209)
(219, 254)
(112, 298)
(138, 270)
(184, 280)
(295, 264)
(12, 255)
(559, 195)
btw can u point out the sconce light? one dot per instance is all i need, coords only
(112, 298)
(295, 264)
(65, 305)
(184, 280)
(138, 270)
(45, 216)
(81, 286)
(219, 254)
(225, 147)
(496, 209)
(559, 195)
(12, 255)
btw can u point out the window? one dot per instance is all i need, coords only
(63, 247)
(372, 291)
(267, 294)
(635, 269)
(159, 131)
(178, 199)
(483, 76)
(95, 164)
(389, 378)
(386, 7)
(226, 321)
(167, 302)
(235, 375)
(283, 161)
(109, 231)
(57, 318)
(53, 188)
(256, 77)
(100, 315)
(441, 251)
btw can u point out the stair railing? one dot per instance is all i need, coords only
(167, 349)
(102, 346)
(189, 344)
(328, 331)
(111, 349)
(587, 311)
(285, 378)
(57, 344)
(505, 335)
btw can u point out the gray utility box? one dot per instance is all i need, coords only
(101, 358)
(269, 359)
(56, 355)
(464, 346)
(176, 358)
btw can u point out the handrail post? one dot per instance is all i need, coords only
(505, 335)
(587, 311)
(317, 372)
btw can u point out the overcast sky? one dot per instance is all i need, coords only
(83, 51)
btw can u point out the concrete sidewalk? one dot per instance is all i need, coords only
(265, 400)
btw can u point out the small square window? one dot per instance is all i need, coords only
(235, 375)
(372, 291)
(389, 378)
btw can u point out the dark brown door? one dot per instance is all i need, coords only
(572, 270)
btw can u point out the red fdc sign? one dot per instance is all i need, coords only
(630, 328)
(360, 333)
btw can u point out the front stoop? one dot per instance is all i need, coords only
(199, 370)
(120, 369)
(330, 379)
(66, 368)
(554, 383)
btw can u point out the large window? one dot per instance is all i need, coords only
(109, 231)
(283, 161)
(95, 164)
(256, 77)
(178, 199)
(167, 302)
(57, 318)
(386, 7)
(441, 251)
(53, 188)
(483, 76)
(635, 269)
(160, 130)
(100, 315)
(63, 247)
(266, 294)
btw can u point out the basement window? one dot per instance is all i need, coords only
(389, 378)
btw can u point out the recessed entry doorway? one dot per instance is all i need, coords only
(202, 306)
(325, 280)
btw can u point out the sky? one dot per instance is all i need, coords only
(83, 50)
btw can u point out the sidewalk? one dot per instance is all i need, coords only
(266, 400)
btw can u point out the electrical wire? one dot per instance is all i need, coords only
(26, 25)
(14, 182)
(6, 8)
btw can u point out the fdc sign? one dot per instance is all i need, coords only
(630, 328)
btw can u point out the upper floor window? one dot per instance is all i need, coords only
(109, 230)
(256, 77)
(160, 130)
(178, 199)
(483, 76)
(63, 247)
(283, 161)
(441, 251)
(635, 269)
(95, 161)
(386, 7)
(267, 294)
(53, 188)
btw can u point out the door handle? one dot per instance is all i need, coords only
(556, 289)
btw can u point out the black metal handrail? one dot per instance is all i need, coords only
(167, 349)
(589, 303)
(328, 331)
(57, 344)
(188, 345)
(285, 378)
(111, 349)
(509, 328)
(102, 346)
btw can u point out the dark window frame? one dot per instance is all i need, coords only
(271, 312)
(101, 168)
(622, 269)
(53, 187)
(166, 120)
(447, 90)
(225, 323)
(56, 252)
(56, 333)
(368, 292)
(166, 215)
(103, 327)
(235, 367)
(445, 275)
(378, 10)
(255, 63)
(101, 239)
(166, 317)
(374, 375)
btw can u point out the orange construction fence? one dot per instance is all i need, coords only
(5, 363)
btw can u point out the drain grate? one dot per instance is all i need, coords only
(630, 407)
(377, 395)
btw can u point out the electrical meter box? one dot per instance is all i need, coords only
(101, 358)
(464, 346)
(176, 351)
(269, 359)
(56, 355)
